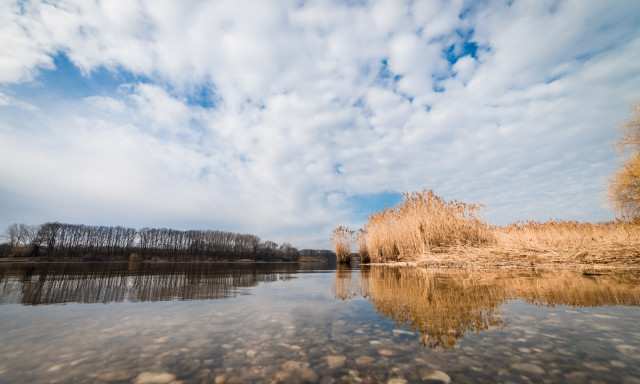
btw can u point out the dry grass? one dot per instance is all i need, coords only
(341, 238)
(547, 244)
(363, 250)
(573, 240)
(427, 230)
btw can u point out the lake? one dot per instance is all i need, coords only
(306, 322)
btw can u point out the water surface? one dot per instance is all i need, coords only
(269, 322)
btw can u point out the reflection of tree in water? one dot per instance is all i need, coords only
(442, 305)
(58, 283)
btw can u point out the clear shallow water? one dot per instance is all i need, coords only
(309, 323)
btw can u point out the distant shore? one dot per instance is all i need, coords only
(46, 260)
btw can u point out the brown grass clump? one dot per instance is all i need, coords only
(341, 238)
(363, 250)
(424, 223)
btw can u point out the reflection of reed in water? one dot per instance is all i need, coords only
(442, 305)
(344, 287)
(116, 282)
(439, 307)
(578, 290)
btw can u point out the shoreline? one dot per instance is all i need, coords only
(496, 266)
(496, 257)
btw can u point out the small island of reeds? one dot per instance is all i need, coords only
(425, 229)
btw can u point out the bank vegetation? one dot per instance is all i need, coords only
(426, 229)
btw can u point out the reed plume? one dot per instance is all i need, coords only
(341, 238)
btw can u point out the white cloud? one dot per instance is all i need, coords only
(305, 117)
(6, 100)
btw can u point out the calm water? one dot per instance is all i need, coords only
(291, 323)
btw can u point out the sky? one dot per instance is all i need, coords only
(285, 119)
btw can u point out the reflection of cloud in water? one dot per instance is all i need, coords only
(442, 305)
(56, 283)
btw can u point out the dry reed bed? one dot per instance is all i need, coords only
(421, 223)
(429, 230)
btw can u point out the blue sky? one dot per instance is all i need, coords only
(286, 119)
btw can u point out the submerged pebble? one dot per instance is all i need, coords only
(528, 367)
(336, 361)
(434, 375)
(154, 378)
(114, 376)
(365, 360)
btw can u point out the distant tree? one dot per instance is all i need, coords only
(49, 234)
(29, 233)
(20, 238)
(624, 185)
(288, 252)
(13, 234)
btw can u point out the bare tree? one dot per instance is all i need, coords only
(12, 234)
(29, 233)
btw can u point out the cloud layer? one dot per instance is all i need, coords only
(284, 118)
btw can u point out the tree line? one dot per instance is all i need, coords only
(60, 241)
